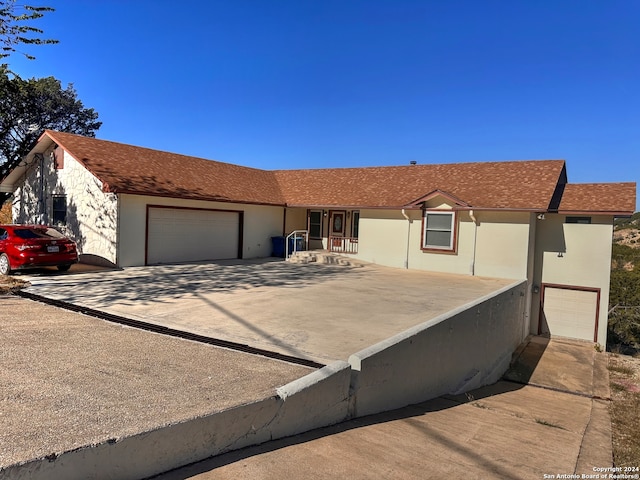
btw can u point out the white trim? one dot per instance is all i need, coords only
(451, 229)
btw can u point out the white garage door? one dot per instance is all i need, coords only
(570, 313)
(185, 235)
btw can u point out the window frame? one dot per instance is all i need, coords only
(453, 242)
(355, 223)
(55, 211)
(577, 220)
(319, 224)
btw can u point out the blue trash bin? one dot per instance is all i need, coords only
(277, 247)
(298, 244)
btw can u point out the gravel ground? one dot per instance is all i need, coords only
(68, 380)
(624, 373)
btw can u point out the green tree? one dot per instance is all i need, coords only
(28, 107)
(625, 288)
(15, 29)
(624, 295)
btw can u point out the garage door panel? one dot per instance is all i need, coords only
(183, 235)
(570, 312)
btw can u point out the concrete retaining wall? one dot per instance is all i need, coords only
(316, 400)
(456, 352)
(453, 353)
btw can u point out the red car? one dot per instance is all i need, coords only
(33, 246)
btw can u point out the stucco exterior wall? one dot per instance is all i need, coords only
(91, 213)
(261, 222)
(383, 237)
(502, 246)
(574, 255)
(498, 246)
(296, 219)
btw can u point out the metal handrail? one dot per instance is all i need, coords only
(294, 234)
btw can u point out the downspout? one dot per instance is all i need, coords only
(475, 237)
(118, 228)
(406, 260)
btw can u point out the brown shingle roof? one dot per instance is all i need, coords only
(527, 185)
(129, 169)
(611, 198)
(510, 185)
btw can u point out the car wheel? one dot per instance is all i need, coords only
(5, 266)
(64, 268)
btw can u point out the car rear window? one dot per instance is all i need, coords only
(27, 233)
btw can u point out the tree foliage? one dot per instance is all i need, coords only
(28, 107)
(15, 29)
(624, 295)
(625, 288)
(624, 330)
(624, 257)
(626, 222)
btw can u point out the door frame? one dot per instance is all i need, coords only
(337, 214)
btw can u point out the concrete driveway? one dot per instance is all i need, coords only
(510, 430)
(69, 381)
(320, 312)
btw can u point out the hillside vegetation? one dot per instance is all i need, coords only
(624, 299)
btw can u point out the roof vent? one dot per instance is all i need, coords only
(412, 162)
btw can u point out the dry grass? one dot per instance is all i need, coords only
(9, 284)
(628, 236)
(624, 373)
(5, 213)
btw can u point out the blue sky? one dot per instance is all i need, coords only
(330, 83)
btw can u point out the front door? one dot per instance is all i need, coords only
(336, 229)
(337, 224)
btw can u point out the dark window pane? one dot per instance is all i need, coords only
(356, 224)
(583, 220)
(59, 210)
(438, 239)
(438, 230)
(439, 221)
(27, 233)
(315, 224)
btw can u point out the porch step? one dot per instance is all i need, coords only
(319, 256)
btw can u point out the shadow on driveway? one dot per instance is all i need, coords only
(506, 431)
(162, 283)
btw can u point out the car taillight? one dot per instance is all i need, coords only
(27, 247)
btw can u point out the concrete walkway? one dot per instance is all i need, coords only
(314, 311)
(507, 430)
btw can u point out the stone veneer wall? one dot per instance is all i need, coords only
(91, 213)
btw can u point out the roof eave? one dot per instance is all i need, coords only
(417, 207)
(615, 213)
(203, 198)
(8, 183)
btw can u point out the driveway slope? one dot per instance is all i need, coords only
(69, 380)
(509, 430)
